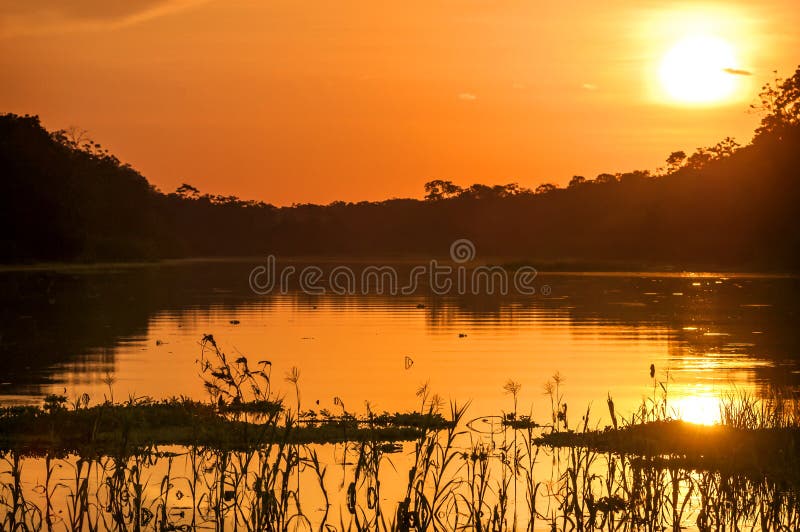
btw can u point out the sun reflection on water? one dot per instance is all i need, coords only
(700, 409)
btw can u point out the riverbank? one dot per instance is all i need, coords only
(545, 267)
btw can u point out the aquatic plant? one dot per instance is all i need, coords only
(241, 460)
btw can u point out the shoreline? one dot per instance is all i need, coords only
(552, 268)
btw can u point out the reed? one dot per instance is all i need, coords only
(243, 461)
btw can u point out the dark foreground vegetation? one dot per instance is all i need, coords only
(774, 451)
(244, 460)
(139, 424)
(66, 198)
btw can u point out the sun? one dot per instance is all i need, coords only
(700, 409)
(699, 69)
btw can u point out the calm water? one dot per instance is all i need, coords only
(205, 489)
(135, 331)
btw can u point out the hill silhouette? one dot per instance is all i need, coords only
(65, 198)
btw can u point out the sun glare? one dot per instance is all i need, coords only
(699, 54)
(699, 69)
(703, 410)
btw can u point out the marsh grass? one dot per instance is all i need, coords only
(774, 409)
(243, 460)
(755, 435)
(242, 414)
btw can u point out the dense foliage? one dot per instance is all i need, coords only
(65, 198)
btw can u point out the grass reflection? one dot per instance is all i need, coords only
(245, 460)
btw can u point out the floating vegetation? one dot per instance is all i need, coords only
(247, 460)
(773, 451)
(143, 422)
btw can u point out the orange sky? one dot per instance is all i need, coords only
(317, 101)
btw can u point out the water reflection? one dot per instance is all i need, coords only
(139, 328)
(467, 483)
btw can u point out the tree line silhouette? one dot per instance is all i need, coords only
(66, 198)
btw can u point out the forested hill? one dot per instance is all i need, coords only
(64, 198)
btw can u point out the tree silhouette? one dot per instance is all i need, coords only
(780, 104)
(546, 188)
(675, 161)
(636, 176)
(703, 156)
(439, 189)
(605, 179)
(64, 197)
(187, 191)
(576, 180)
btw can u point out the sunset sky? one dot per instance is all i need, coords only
(316, 101)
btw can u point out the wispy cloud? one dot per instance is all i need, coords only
(53, 16)
(467, 97)
(589, 86)
(737, 72)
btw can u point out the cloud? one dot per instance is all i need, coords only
(53, 16)
(467, 97)
(589, 86)
(737, 72)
